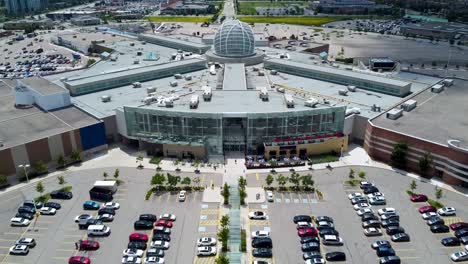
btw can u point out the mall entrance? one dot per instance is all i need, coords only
(234, 134)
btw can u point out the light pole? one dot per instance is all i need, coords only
(25, 168)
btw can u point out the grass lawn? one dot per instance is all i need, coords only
(299, 20)
(248, 8)
(324, 158)
(190, 19)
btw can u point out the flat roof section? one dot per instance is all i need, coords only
(234, 77)
(436, 118)
(181, 42)
(42, 85)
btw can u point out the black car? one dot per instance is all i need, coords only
(311, 255)
(106, 210)
(401, 237)
(148, 217)
(435, 220)
(311, 246)
(137, 245)
(392, 230)
(33, 204)
(154, 252)
(390, 222)
(92, 221)
(328, 231)
(143, 225)
(323, 218)
(55, 205)
(368, 216)
(262, 242)
(440, 229)
(461, 233)
(302, 218)
(371, 189)
(61, 194)
(335, 256)
(371, 223)
(163, 237)
(384, 251)
(450, 241)
(308, 239)
(262, 252)
(464, 240)
(358, 200)
(27, 210)
(25, 215)
(390, 260)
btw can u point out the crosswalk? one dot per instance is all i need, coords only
(295, 198)
(204, 260)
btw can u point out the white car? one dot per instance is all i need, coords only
(261, 262)
(47, 211)
(386, 210)
(428, 215)
(332, 240)
(269, 195)
(315, 261)
(376, 194)
(355, 195)
(105, 217)
(304, 224)
(206, 251)
(19, 250)
(112, 205)
(159, 244)
(154, 260)
(459, 256)
(131, 252)
(18, 221)
(169, 217)
(260, 233)
(361, 206)
(206, 241)
(364, 211)
(372, 231)
(257, 215)
(26, 241)
(82, 217)
(131, 260)
(182, 196)
(447, 211)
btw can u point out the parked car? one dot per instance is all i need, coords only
(207, 241)
(182, 196)
(133, 252)
(447, 211)
(169, 217)
(384, 251)
(365, 184)
(262, 242)
(435, 220)
(325, 225)
(418, 198)
(319, 260)
(370, 190)
(47, 211)
(88, 245)
(358, 200)
(368, 216)
(392, 230)
(91, 205)
(459, 256)
(54, 205)
(137, 245)
(262, 252)
(80, 217)
(206, 251)
(19, 250)
(164, 222)
(143, 225)
(323, 218)
(83, 224)
(259, 215)
(400, 237)
(371, 223)
(439, 228)
(304, 224)
(450, 241)
(335, 256)
(390, 260)
(25, 216)
(458, 225)
(163, 237)
(311, 255)
(260, 233)
(148, 217)
(375, 195)
(332, 240)
(79, 260)
(386, 210)
(302, 218)
(390, 216)
(362, 211)
(33, 204)
(308, 239)
(391, 222)
(355, 195)
(269, 195)
(26, 241)
(428, 215)
(461, 233)
(106, 210)
(380, 243)
(328, 231)
(139, 237)
(372, 231)
(106, 217)
(161, 230)
(311, 246)
(112, 205)
(426, 209)
(361, 206)
(16, 221)
(154, 260)
(61, 194)
(131, 260)
(307, 231)
(155, 252)
(27, 210)
(379, 200)
(160, 244)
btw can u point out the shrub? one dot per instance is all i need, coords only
(3, 180)
(435, 204)
(149, 193)
(90, 62)
(243, 246)
(410, 193)
(353, 182)
(40, 167)
(67, 188)
(43, 198)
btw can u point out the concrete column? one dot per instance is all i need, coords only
(55, 146)
(20, 155)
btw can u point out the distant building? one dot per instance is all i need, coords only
(346, 6)
(24, 24)
(189, 9)
(280, 10)
(85, 21)
(22, 7)
(436, 30)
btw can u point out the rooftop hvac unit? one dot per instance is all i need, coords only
(174, 83)
(448, 82)
(274, 72)
(311, 102)
(105, 98)
(343, 92)
(178, 76)
(352, 111)
(188, 77)
(375, 108)
(280, 89)
(288, 99)
(194, 101)
(351, 88)
(168, 102)
(136, 62)
(394, 114)
(261, 73)
(148, 100)
(150, 90)
(437, 88)
(207, 93)
(255, 69)
(136, 85)
(409, 105)
(263, 93)
(213, 70)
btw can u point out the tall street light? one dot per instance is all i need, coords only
(25, 168)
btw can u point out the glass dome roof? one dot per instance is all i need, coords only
(234, 39)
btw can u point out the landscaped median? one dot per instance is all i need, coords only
(188, 19)
(295, 20)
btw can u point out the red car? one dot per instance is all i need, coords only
(88, 245)
(458, 226)
(307, 231)
(427, 209)
(138, 237)
(163, 222)
(79, 260)
(419, 198)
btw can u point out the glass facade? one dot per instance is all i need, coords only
(234, 39)
(220, 133)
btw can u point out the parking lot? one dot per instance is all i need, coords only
(56, 235)
(424, 247)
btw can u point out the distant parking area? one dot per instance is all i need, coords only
(424, 246)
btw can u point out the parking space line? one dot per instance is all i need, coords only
(160, 197)
(67, 250)
(8, 240)
(258, 177)
(66, 235)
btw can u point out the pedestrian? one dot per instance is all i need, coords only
(76, 245)
(235, 161)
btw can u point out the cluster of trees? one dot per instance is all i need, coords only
(170, 181)
(223, 234)
(225, 193)
(399, 159)
(242, 191)
(75, 156)
(298, 181)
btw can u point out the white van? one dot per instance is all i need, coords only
(98, 230)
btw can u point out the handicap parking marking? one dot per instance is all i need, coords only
(209, 222)
(204, 206)
(264, 206)
(278, 200)
(296, 200)
(287, 200)
(209, 211)
(201, 229)
(203, 217)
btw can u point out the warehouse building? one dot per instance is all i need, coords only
(175, 43)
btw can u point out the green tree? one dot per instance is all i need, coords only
(40, 166)
(307, 180)
(269, 179)
(224, 221)
(40, 187)
(281, 179)
(105, 175)
(223, 236)
(351, 174)
(116, 173)
(196, 180)
(61, 180)
(295, 179)
(225, 193)
(186, 181)
(425, 163)
(61, 160)
(438, 193)
(90, 62)
(75, 155)
(398, 157)
(172, 180)
(3, 180)
(158, 180)
(413, 185)
(242, 182)
(222, 259)
(362, 174)
(242, 196)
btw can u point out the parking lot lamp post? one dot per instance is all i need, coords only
(25, 168)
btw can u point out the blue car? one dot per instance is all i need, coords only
(90, 205)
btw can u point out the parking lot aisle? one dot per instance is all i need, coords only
(207, 227)
(258, 225)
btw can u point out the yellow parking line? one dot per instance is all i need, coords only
(4, 247)
(67, 250)
(8, 240)
(258, 177)
(21, 235)
(203, 180)
(12, 233)
(160, 197)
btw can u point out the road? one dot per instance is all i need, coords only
(229, 11)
